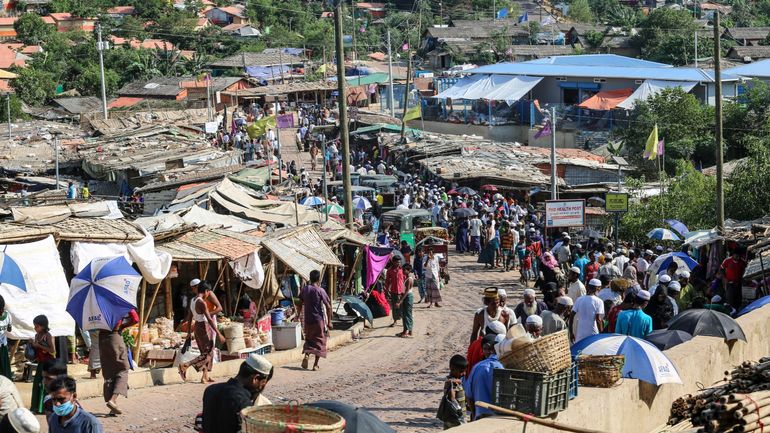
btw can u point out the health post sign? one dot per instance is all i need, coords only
(565, 213)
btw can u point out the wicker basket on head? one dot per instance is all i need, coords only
(280, 418)
(601, 371)
(549, 354)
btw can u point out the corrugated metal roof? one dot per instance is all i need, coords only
(759, 69)
(594, 67)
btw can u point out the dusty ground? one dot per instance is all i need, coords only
(400, 380)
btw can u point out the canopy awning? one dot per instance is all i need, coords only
(508, 88)
(606, 99)
(650, 88)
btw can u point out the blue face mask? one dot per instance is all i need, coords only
(64, 409)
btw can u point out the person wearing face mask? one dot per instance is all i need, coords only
(223, 402)
(68, 416)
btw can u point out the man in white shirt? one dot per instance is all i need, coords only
(589, 312)
(621, 260)
(642, 265)
(609, 269)
(575, 289)
(475, 231)
(562, 252)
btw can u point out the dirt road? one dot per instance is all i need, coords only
(400, 380)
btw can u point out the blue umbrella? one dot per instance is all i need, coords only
(10, 272)
(644, 361)
(662, 235)
(679, 227)
(103, 293)
(664, 261)
(759, 303)
(360, 307)
(313, 201)
(361, 203)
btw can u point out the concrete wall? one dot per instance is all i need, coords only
(638, 407)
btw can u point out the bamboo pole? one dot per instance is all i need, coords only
(138, 342)
(152, 303)
(352, 272)
(228, 296)
(169, 298)
(534, 420)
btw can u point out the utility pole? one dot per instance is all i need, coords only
(8, 107)
(355, 29)
(718, 128)
(343, 109)
(100, 46)
(325, 192)
(406, 92)
(390, 79)
(554, 194)
(56, 151)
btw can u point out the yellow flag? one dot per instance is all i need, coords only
(651, 150)
(260, 127)
(413, 113)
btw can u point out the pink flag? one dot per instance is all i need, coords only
(374, 265)
(661, 146)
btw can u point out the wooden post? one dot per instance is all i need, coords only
(152, 303)
(138, 342)
(169, 298)
(228, 297)
(332, 274)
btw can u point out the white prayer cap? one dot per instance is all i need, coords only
(595, 282)
(564, 300)
(529, 292)
(716, 299)
(684, 274)
(665, 279)
(23, 421)
(643, 294)
(260, 364)
(675, 286)
(502, 293)
(575, 269)
(194, 282)
(535, 320)
(497, 327)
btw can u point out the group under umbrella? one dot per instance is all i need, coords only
(665, 339)
(662, 235)
(465, 212)
(707, 322)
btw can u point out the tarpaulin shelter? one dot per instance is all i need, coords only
(650, 88)
(606, 99)
(491, 87)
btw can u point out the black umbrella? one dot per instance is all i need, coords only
(464, 212)
(667, 338)
(357, 420)
(464, 190)
(359, 306)
(707, 322)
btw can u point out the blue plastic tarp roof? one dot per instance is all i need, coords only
(600, 66)
(759, 69)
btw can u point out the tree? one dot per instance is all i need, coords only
(151, 9)
(594, 38)
(580, 11)
(749, 197)
(667, 36)
(31, 29)
(747, 119)
(685, 125)
(16, 109)
(34, 86)
(89, 81)
(689, 197)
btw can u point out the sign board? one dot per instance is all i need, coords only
(285, 121)
(565, 213)
(616, 202)
(211, 127)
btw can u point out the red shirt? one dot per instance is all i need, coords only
(394, 281)
(592, 269)
(475, 355)
(734, 269)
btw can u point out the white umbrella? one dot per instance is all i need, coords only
(361, 203)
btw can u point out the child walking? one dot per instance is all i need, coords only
(526, 268)
(44, 350)
(452, 408)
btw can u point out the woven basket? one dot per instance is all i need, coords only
(600, 371)
(281, 418)
(549, 354)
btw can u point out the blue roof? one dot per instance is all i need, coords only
(600, 66)
(757, 69)
(601, 60)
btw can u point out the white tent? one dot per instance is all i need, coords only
(508, 88)
(650, 88)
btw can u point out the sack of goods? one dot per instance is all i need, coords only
(234, 337)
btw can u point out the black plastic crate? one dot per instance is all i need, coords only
(539, 394)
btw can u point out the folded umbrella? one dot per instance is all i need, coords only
(708, 322)
(644, 361)
(665, 339)
(464, 212)
(359, 306)
(103, 293)
(357, 420)
(759, 303)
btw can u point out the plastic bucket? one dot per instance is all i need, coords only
(277, 317)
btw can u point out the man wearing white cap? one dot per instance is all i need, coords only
(223, 402)
(19, 420)
(589, 312)
(609, 268)
(687, 293)
(555, 321)
(507, 316)
(643, 264)
(534, 326)
(576, 288)
(529, 306)
(634, 321)
(673, 295)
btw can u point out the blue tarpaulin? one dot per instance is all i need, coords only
(267, 72)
